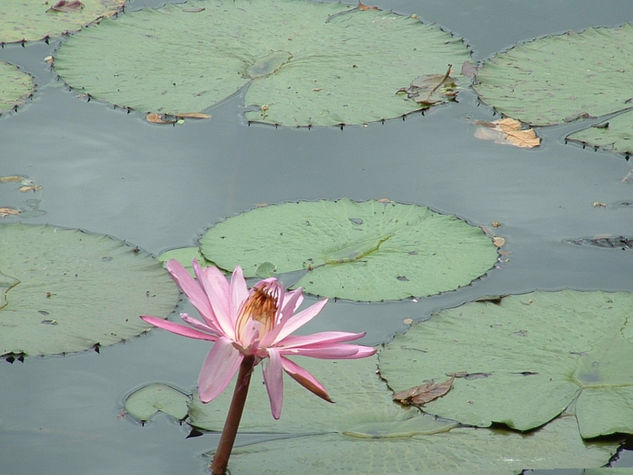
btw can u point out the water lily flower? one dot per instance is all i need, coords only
(258, 324)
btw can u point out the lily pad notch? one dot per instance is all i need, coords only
(303, 63)
(364, 251)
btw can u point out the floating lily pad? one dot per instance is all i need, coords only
(66, 290)
(462, 450)
(614, 135)
(560, 78)
(143, 403)
(365, 432)
(32, 20)
(366, 251)
(523, 359)
(15, 87)
(185, 255)
(304, 63)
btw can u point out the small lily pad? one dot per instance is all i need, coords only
(560, 78)
(32, 20)
(15, 87)
(67, 290)
(146, 401)
(185, 255)
(522, 360)
(366, 251)
(302, 63)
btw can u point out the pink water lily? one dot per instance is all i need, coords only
(258, 323)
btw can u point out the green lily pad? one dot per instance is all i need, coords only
(366, 251)
(462, 450)
(303, 63)
(67, 290)
(366, 432)
(614, 135)
(560, 78)
(143, 403)
(32, 20)
(15, 87)
(185, 255)
(363, 405)
(523, 359)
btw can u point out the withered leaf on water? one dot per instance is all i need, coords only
(67, 6)
(362, 7)
(155, 118)
(7, 179)
(507, 131)
(193, 115)
(420, 395)
(431, 89)
(4, 212)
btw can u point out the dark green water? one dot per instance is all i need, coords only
(159, 187)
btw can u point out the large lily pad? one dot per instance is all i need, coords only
(523, 359)
(460, 451)
(32, 20)
(66, 290)
(365, 432)
(560, 78)
(366, 251)
(614, 135)
(305, 63)
(15, 87)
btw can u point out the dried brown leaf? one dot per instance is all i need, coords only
(498, 241)
(362, 7)
(6, 179)
(193, 115)
(67, 6)
(155, 118)
(4, 212)
(420, 395)
(507, 131)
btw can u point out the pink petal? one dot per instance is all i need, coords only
(273, 377)
(192, 290)
(304, 378)
(300, 319)
(197, 324)
(239, 291)
(291, 302)
(219, 293)
(178, 329)
(318, 338)
(218, 369)
(328, 352)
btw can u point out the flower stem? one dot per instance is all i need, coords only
(223, 452)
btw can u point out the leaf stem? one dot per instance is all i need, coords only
(225, 446)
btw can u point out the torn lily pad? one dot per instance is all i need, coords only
(522, 360)
(367, 251)
(302, 63)
(15, 87)
(561, 78)
(32, 20)
(65, 290)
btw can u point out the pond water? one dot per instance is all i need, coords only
(160, 187)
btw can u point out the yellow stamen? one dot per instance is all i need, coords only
(259, 307)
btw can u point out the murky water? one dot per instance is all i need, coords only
(159, 187)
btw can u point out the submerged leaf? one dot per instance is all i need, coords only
(146, 401)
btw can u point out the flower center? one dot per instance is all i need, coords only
(257, 315)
